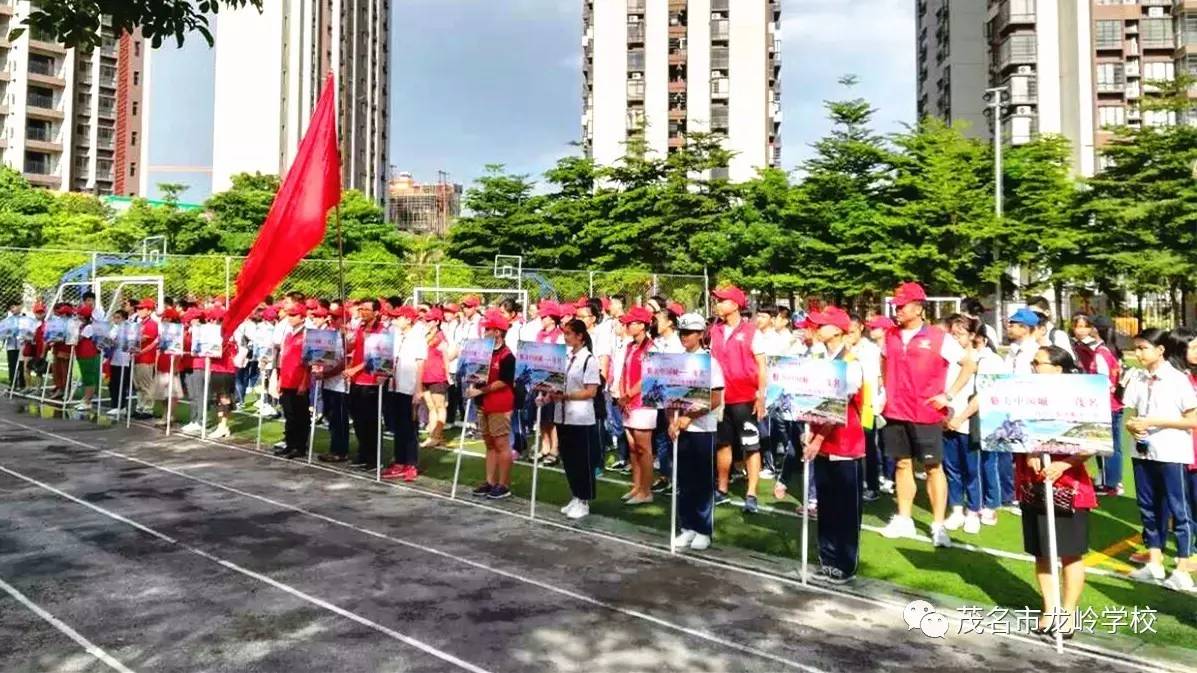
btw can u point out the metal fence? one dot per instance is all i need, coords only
(31, 274)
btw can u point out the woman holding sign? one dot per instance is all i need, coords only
(638, 420)
(1073, 498)
(293, 386)
(577, 424)
(695, 434)
(223, 371)
(497, 400)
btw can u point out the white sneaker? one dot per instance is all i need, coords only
(766, 473)
(83, 406)
(939, 536)
(921, 476)
(988, 517)
(1179, 581)
(700, 542)
(972, 523)
(115, 413)
(1151, 572)
(684, 538)
(955, 521)
(220, 432)
(899, 526)
(887, 486)
(570, 505)
(191, 429)
(580, 510)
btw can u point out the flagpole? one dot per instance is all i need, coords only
(340, 253)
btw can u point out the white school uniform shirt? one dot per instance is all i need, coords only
(512, 337)
(582, 369)
(1021, 357)
(1058, 337)
(709, 422)
(412, 349)
(1165, 394)
(528, 331)
(119, 357)
(869, 356)
(667, 344)
(619, 352)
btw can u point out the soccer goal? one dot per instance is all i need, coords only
(490, 296)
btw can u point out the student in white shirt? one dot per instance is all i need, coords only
(694, 432)
(1165, 407)
(404, 388)
(1049, 334)
(576, 421)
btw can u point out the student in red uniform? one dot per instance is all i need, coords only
(1094, 356)
(917, 356)
(363, 387)
(35, 351)
(435, 379)
(145, 360)
(293, 381)
(638, 420)
(88, 357)
(494, 410)
(61, 356)
(740, 351)
(838, 453)
(223, 378)
(165, 385)
(551, 315)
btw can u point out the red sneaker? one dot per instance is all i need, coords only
(394, 471)
(411, 473)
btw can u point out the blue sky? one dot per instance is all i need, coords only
(499, 81)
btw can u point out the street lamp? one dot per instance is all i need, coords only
(996, 98)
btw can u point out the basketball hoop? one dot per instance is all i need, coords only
(509, 266)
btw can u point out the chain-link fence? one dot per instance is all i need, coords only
(27, 275)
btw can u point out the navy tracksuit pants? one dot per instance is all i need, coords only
(840, 510)
(1161, 489)
(696, 482)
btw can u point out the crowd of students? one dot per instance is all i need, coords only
(912, 411)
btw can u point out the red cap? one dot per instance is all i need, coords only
(312, 304)
(495, 320)
(296, 309)
(637, 314)
(171, 313)
(215, 313)
(147, 303)
(834, 316)
(582, 301)
(470, 301)
(606, 304)
(84, 312)
(733, 293)
(909, 292)
(39, 307)
(879, 322)
(64, 310)
(676, 308)
(271, 313)
(193, 314)
(408, 312)
(567, 310)
(452, 308)
(434, 314)
(549, 309)
(320, 313)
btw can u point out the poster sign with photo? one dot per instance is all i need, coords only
(263, 346)
(73, 329)
(170, 338)
(379, 351)
(812, 390)
(56, 330)
(676, 381)
(8, 330)
(474, 362)
(26, 328)
(206, 341)
(540, 367)
(1052, 413)
(128, 337)
(322, 348)
(101, 334)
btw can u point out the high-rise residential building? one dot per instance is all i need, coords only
(69, 118)
(423, 208)
(666, 68)
(270, 67)
(953, 68)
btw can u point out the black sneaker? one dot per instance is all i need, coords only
(621, 466)
(332, 458)
(498, 493)
(750, 505)
(833, 576)
(721, 498)
(661, 485)
(280, 450)
(482, 490)
(869, 495)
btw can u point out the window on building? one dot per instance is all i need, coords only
(1155, 33)
(636, 60)
(132, 168)
(1111, 115)
(1188, 29)
(134, 108)
(136, 77)
(137, 47)
(133, 138)
(1110, 77)
(1159, 117)
(1159, 71)
(1109, 35)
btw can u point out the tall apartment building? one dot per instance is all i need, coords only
(270, 67)
(70, 120)
(665, 68)
(953, 68)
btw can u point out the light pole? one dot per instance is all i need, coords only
(996, 96)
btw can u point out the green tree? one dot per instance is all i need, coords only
(500, 206)
(238, 213)
(77, 23)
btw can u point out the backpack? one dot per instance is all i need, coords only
(1086, 357)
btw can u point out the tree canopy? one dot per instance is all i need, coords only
(77, 23)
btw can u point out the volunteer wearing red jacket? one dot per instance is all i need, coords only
(363, 388)
(494, 410)
(145, 359)
(838, 453)
(293, 385)
(916, 369)
(223, 376)
(740, 352)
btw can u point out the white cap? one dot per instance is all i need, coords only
(691, 322)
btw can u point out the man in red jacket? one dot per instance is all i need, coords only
(740, 352)
(917, 356)
(293, 385)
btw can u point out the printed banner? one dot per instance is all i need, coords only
(263, 345)
(128, 337)
(8, 330)
(323, 348)
(170, 338)
(56, 330)
(474, 362)
(26, 328)
(813, 390)
(540, 367)
(676, 381)
(1053, 413)
(379, 352)
(101, 335)
(206, 341)
(73, 328)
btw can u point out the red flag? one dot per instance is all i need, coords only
(296, 221)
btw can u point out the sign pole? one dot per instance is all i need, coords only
(207, 381)
(806, 465)
(535, 462)
(129, 393)
(460, 450)
(170, 394)
(120, 388)
(312, 430)
(378, 440)
(262, 396)
(1052, 552)
(68, 390)
(673, 496)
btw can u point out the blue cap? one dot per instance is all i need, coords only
(1025, 316)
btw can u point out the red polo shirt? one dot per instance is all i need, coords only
(292, 374)
(149, 336)
(915, 372)
(358, 353)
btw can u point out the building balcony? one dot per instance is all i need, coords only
(635, 33)
(677, 31)
(43, 179)
(53, 80)
(39, 109)
(1007, 20)
(676, 142)
(677, 113)
(47, 146)
(635, 6)
(106, 112)
(677, 86)
(1110, 87)
(676, 6)
(678, 57)
(43, 47)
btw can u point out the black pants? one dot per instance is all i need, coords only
(363, 408)
(839, 512)
(873, 460)
(118, 385)
(336, 411)
(14, 356)
(456, 407)
(407, 439)
(297, 419)
(580, 453)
